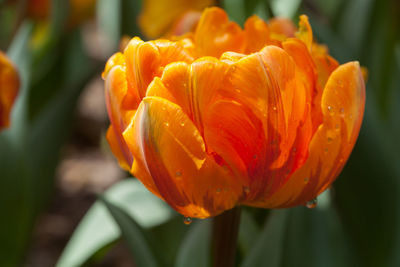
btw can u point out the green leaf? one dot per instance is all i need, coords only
(109, 21)
(195, 248)
(98, 229)
(315, 237)
(270, 244)
(236, 10)
(285, 8)
(134, 236)
(248, 232)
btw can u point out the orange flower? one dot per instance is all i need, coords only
(158, 17)
(79, 11)
(260, 116)
(9, 85)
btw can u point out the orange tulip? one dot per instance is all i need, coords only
(9, 85)
(260, 116)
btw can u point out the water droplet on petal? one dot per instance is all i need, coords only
(187, 220)
(246, 189)
(237, 90)
(274, 108)
(178, 174)
(341, 110)
(254, 156)
(163, 108)
(312, 203)
(330, 109)
(326, 150)
(182, 124)
(166, 124)
(306, 180)
(329, 140)
(218, 190)
(337, 126)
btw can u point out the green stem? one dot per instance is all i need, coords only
(225, 233)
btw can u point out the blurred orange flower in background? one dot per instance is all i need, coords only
(9, 85)
(79, 10)
(260, 116)
(159, 17)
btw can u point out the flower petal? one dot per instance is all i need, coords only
(215, 34)
(158, 16)
(146, 60)
(115, 93)
(9, 84)
(171, 149)
(342, 105)
(257, 34)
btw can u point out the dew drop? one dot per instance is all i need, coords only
(329, 140)
(312, 203)
(341, 110)
(330, 109)
(237, 90)
(166, 124)
(182, 124)
(326, 150)
(294, 150)
(337, 126)
(306, 180)
(254, 156)
(246, 189)
(187, 220)
(274, 108)
(218, 190)
(163, 108)
(178, 174)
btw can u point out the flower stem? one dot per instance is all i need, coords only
(225, 233)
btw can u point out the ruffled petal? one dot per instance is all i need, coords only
(257, 34)
(215, 34)
(173, 153)
(342, 105)
(158, 16)
(281, 28)
(115, 93)
(305, 32)
(146, 60)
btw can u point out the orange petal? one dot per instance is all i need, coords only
(173, 152)
(342, 105)
(146, 60)
(257, 34)
(115, 93)
(185, 23)
(158, 16)
(215, 34)
(305, 32)
(9, 86)
(191, 86)
(281, 28)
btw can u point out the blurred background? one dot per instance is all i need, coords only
(55, 161)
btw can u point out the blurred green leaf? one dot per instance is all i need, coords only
(109, 21)
(195, 248)
(16, 198)
(269, 245)
(134, 199)
(236, 10)
(134, 236)
(248, 232)
(98, 229)
(315, 237)
(285, 8)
